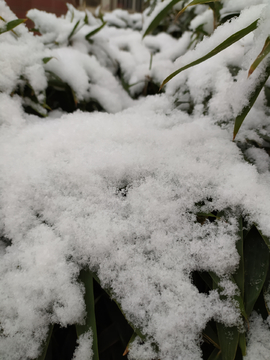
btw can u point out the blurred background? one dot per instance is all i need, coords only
(58, 7)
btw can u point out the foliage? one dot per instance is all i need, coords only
(216, 6)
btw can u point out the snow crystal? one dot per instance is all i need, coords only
(84, 350)
(65, 178)
(258, 346)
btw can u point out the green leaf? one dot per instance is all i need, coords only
(207, 215)
(239, 275)
(73, 30)
(228, 42)
(11, 25)
(228, 340)
(242, 343)
(252, 98)
(87, 279)
(92, 33)
(159, 17)
(265, 238)
(109, 292)
(265, 51)
(210, 335)
(195, 2)
(133, 337)
(46, 344)
(256, 262)
(237, 298)
(46, 59)
(215, 355)
(207, 279)
(85, 20)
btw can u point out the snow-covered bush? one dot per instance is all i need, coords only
(149, 203)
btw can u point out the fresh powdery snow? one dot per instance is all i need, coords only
(118, 192)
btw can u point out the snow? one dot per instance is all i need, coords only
(119, 192)
(84, 349)
(258, 345)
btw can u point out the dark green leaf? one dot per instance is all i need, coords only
(46, 59)
(86, 19)
(133, 337)
(207, 279)
(228, 42)
(92, 33)
(265, 51)
(46, 344)
(215, 355)
(207, 215)
(73, 30)
(195, 2)
(159, 17)
(210, 335)
(11, 25)
(265, 238)
(256, 262)
(239, 274)
(90, 323)
(228, 341)
(215, 279)
(109, 292)
(242, 343)
(252, 98)
(237, 298)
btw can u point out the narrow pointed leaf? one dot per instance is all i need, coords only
(228, 341)
(160, 16)
(109, 292)
(47, 59)
(207, 279)
(90, 322)
(73, 30)
(215, 355)
(265, 51)
(207, 215)
(46, 344)
(226, 43)
(256, 255)
(11, 25)
(242, 343)
(210, 335)
(133, 337)
(85, 20)
(239, 274)
(253, 97)
(195, 2)
(237, 298)
(92, 33)
(265, 238)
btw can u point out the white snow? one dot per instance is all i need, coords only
(258, 345)
(84, 350)
(118, 192)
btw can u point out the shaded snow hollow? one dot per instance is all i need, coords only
(119, 193)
